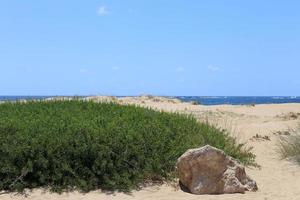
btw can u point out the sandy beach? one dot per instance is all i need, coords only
(276, 178)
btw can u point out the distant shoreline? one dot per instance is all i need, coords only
(203, 100)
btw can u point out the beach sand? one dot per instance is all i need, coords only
(276, 179)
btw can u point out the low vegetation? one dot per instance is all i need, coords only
(194, 103)
(259, 137)
(66, 145)
(289, 145)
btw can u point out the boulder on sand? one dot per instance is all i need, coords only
(207, 170)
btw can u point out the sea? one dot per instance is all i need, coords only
(240, 100)
(204, 100)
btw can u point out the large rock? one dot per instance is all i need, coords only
(207, 170)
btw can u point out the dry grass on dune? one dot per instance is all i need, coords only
(289, 144)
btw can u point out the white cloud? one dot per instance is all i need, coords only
(213, 68)
(179, 69)
(83, 70)
(103, 10)
(115, 68)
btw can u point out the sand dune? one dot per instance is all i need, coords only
(277, 179)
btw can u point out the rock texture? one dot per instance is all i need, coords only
(207, 170)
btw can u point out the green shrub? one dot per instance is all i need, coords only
(289, 145)
(80, 145)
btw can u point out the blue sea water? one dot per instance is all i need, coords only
(217, 100)
(16, 98)
(204, 100)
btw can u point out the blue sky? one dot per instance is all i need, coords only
(161, 47)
